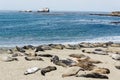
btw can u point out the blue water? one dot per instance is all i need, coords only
(17, 28)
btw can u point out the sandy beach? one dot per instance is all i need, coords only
(14, 70)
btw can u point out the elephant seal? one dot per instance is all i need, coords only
(93, 75)
(31, 70)
(115, 56)
(68, 62)
(34, 58)
(8, 59)
(77, 55)
(117, 66)
(45, 55)
(48, 69)
(101, 70)
(71, 71)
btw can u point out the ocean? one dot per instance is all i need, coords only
(20, 28)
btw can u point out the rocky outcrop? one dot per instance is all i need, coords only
(44, 10)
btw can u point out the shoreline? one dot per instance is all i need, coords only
(64, 43)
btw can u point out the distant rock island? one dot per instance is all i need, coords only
(40, 10)
(115, 13)
(44, 10)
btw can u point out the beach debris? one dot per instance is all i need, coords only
(45, 55)
(37, 58)
(31, 70)
(8, 59)
(93, 75)
(101, 70)
(68, 62)
(71, 71)
(115, 56)
(48, 69)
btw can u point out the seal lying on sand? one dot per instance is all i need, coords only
(64, 63)
(85, 65)
(71, 71)
(101, 70)
(31, 70)
(48, 69)
(45, 55)
(34, 58)
(84, 58)
(115, 56)
(8, 59)
(93, 75)
(77, 55)
(117, 66)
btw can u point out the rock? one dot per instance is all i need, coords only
(115, 56)
(93, 75)
(71, 71)
(31, 70)
(48, 69)
(8, 59)
(34, 58)
(116, 23)
(101, 70)
(44, 10)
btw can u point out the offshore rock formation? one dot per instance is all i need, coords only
(44, 10)
(115, 13)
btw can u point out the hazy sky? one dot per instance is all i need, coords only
(61, 5)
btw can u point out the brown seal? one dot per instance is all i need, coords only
(48, 69)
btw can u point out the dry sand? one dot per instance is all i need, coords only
(15, 70)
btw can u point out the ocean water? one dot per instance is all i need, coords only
(19, 28)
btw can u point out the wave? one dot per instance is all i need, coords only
(115, 39)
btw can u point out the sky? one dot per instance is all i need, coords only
(61, 5)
